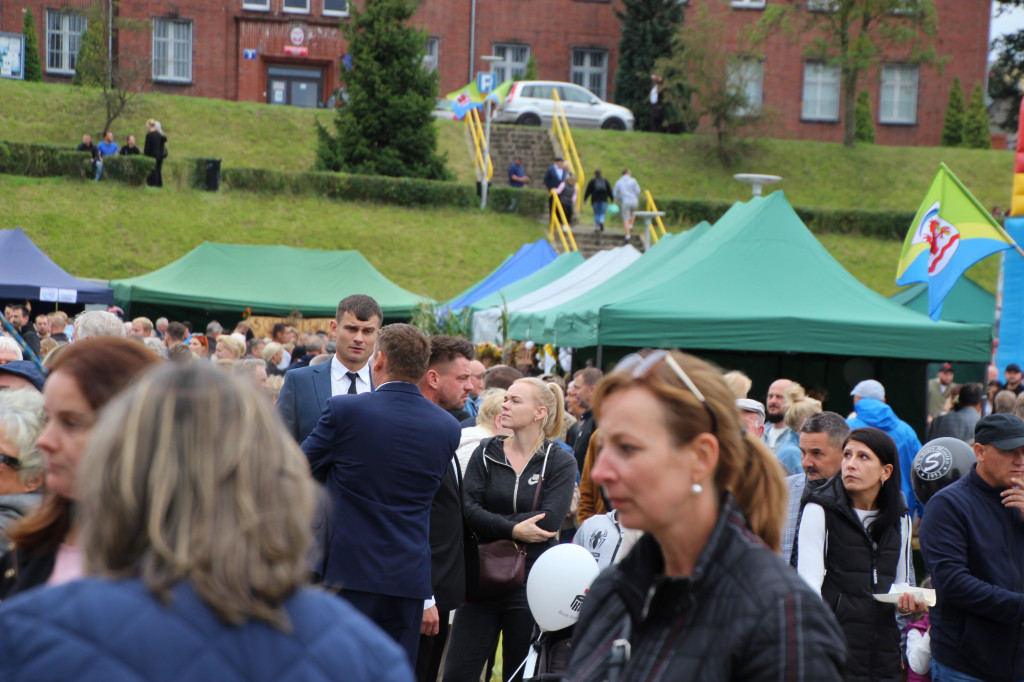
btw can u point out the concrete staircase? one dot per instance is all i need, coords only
(590, 242)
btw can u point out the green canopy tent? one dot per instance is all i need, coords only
(760, 293)
(966, 302)
(265, 280)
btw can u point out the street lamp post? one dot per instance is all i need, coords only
(488, 103)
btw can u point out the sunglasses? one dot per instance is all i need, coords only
(12, 462)
(641, 368)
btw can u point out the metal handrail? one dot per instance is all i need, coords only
(476, 131)
(562, 226)
(560, 128)
(651, 206)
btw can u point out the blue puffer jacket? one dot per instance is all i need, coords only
(871, 412)
(116, 631)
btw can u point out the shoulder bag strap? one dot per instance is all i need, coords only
(540, 481)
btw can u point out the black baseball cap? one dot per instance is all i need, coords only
(26, 370)
(1002, 431)
(1013, 367)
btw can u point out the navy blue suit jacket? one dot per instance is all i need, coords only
(303, 397)
(381, 457)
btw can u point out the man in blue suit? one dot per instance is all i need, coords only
(381, 457)
(307, 389)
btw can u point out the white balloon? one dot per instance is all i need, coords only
(558, 584)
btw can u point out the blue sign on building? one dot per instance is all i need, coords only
(249, 54)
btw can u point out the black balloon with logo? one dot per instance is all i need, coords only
(940, 462)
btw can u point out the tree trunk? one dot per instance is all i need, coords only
(849, 99)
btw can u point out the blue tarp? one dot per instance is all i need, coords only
(1011, 323)
(26, 273)
(527, 260)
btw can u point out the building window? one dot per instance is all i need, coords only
(747, 4)
(590, 69)
(261, 5)
(747, 77)
(821, 92)
(296, 6)
(336, 8)
(172, 50)
(430, 58)
(513, 62)
(63, 34)
(823, 5)
(898, 101)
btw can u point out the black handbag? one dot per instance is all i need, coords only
(503, 562)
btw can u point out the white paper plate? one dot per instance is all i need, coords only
(896, 590)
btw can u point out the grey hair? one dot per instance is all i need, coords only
(315, 343)
(22, 420)
(7, 343)
(247, 367)
(830, 423)
(157, 346)
(93, 323)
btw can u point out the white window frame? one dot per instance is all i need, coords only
(173, 43)
(817, 77)
(430, 59)
(507, 68)
(823, 5)
(294, 10)
(897, 79)
(70, 40)
(334, 12)
(748, 75)
(747, 4)
(256, 5)
(587, 70)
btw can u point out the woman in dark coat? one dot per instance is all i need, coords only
(156, 148)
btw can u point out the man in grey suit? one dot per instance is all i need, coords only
(307, 389)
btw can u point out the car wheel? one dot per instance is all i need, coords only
(613, 124)
(528, 120)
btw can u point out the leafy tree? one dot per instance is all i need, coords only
(853, 34)
(649, 30)
(716, 80)
(387, 127)
(33, 65)
(117, 82)
(953, 125)
(976, 135)
(865, 124)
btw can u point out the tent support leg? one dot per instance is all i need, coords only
(599, 354)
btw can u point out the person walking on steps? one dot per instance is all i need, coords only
(598, 191)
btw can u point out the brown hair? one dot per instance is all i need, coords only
(362, 306)
(190, 475)
(407, 350)
(746, 468)
(101, 367)
(445, 349)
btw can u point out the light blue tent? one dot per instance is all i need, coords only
(527, 260)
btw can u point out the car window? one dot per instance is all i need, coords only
(571, 94)
(538, 91)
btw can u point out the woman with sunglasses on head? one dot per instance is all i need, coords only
(520, 488)
(853, 542)
(21, 463)
(196, 508)
(703, 595)
(84, 377)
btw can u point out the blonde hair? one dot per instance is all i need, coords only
(234, 345)
(271, 349)
(191, 476)
(800, 407)
(746, 467)
(550, 396)
(738, 382)
(490, 407)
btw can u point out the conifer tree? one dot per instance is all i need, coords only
(953, 126)
(33, 65)
(92, 63)
(649, 30)
(976, 135)
(865, 131)
(386, 128)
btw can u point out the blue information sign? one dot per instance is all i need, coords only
(485, 82)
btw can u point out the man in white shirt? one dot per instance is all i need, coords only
(776, 412)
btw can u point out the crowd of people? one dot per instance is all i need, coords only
(369, 502)
(155, 147)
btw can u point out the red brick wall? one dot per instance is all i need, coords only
(552, 29)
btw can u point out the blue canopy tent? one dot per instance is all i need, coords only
(26, 273)
(527, 260)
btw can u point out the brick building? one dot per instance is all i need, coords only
(291, 52)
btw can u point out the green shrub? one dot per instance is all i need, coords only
(38, 160)
(953, 125)
(976, 135)
(864, 129)
(131, 170)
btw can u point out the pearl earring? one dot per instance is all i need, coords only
(697, 488)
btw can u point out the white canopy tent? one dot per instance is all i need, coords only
(598, 268)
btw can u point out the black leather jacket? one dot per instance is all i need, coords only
(742, 615)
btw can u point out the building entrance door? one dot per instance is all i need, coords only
(295, 85)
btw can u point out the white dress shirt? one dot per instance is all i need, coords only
(339, 378)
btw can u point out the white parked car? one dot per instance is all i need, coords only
(531, 103)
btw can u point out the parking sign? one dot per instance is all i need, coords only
(484, 82)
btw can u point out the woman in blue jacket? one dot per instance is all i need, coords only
(195, 518)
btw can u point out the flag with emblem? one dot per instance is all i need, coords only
(950, 233)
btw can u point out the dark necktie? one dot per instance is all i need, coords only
(352, 376)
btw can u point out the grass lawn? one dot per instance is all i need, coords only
(110, 231)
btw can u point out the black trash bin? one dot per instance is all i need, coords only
(212, 175)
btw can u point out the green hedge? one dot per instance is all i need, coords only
(131, 170)
(42, 160)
